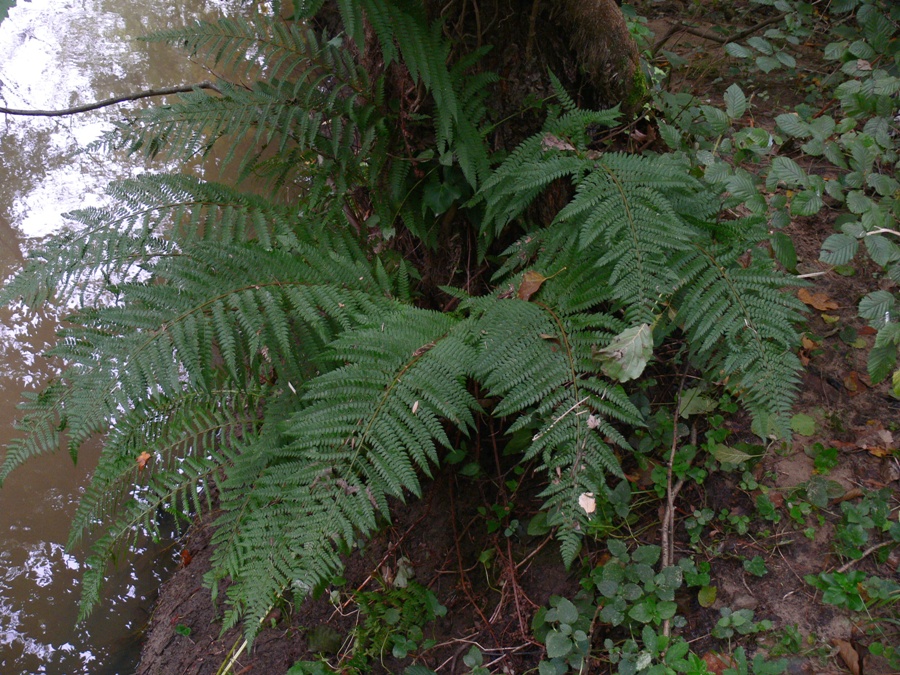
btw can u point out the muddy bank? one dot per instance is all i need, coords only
(492, 605)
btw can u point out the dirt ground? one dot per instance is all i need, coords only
(492, 584)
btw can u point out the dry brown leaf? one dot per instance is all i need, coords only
(849, 655)
(819, 301)
(531, 282)
(808, 344)
(186, 557)
(867, 330)
(718, 663)
(142, 460)
(853, 384)
(852, 493)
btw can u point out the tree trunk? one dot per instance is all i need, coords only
(604, 49)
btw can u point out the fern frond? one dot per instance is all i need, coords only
(538, 361)
(742, 326)
(363, 433)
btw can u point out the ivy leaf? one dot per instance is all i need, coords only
(566, 611)
(558, 645)
(803, 424)
(627, 355)
(706, 596)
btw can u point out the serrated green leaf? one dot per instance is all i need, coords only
(716, 118)
(761, 45)
(878, 308)
(806, 203)
(838, 249)
(785, 253)
(767, 63)
(735, 102)
(787, 171)
(786, 59)
(738, 51)
(858, 202)
(725, 454)
(882, 250)
(792, 125)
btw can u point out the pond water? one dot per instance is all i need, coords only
(55, 55)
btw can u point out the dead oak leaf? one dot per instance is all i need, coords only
(819, 301)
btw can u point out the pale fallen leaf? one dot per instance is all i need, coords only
(551, 142)
(819, 301)
(587, 502)
(627, 355)
(849, 655)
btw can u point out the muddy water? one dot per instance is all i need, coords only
(54, 55)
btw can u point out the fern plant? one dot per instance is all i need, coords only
(277, 360)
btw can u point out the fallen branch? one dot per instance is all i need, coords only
(183, 89)
(714, 37)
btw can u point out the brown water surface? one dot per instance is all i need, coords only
(55, 55)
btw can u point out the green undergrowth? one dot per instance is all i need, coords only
(302, 359)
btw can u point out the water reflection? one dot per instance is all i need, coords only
(54, 55)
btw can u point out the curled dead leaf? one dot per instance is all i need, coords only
(849, 655)
(853, 493)
(186, 557)
(142, 460)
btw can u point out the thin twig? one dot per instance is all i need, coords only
(869, 551)
(183, 89)
(667, 531)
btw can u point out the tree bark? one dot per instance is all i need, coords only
(604, 49)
